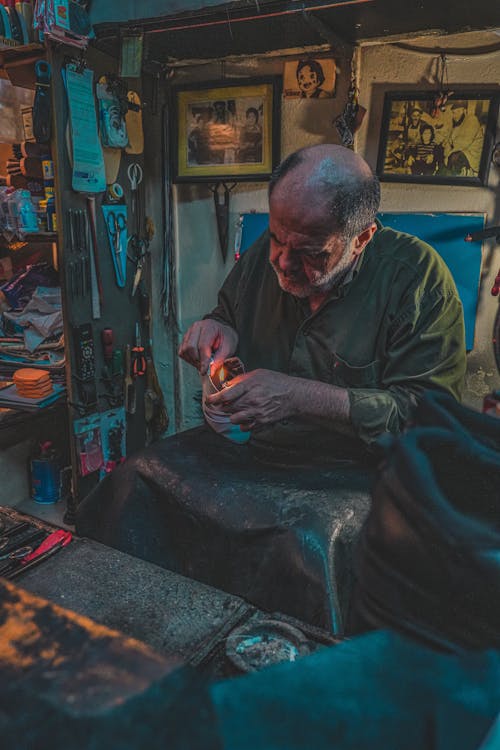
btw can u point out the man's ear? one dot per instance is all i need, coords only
(362, 240)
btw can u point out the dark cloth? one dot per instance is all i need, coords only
(429, 555)
(394, 330)
(203, 507)
(375, 692)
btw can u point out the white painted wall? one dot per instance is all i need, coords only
(386, 67)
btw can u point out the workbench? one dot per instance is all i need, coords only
(280, 537)
(178, 618)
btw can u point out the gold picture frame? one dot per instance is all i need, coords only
(227, 131)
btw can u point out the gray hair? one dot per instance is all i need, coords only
(352, 199)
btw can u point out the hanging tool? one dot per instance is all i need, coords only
(150, 401)
(95, 276)
(135, 176)
(115, 217)
(128, 383)
(42, 114)
(107, 344)
(117, 224)
(139, 363)
(139, 264)
(221, 202)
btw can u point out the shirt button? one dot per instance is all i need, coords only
(284, 422)
(305, 331)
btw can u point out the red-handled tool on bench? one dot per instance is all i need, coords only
(57, 539)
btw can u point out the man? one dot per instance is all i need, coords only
(414, 126)
(340, 322)
(464, 145)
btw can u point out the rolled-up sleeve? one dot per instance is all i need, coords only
(425, 351)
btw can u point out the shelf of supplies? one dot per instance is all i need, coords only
(18, 64)
(40, 237)
(17, 426)
(29, 238)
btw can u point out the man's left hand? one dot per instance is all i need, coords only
(256, 399)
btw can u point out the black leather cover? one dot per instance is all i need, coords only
(429, 555)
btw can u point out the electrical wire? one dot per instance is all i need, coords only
(453, 51)
(243, 19)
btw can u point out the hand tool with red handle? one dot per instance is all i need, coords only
(139, 360)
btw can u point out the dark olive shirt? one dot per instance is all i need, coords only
(394, 329)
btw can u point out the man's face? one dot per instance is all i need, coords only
(457, 114)
(307, 257)
(415, 118)
(307, 80)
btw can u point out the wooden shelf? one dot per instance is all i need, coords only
(39, 237)
(18, 64)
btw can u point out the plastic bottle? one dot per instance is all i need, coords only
(23, 211)
(46, 475)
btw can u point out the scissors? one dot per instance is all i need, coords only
(135, 175)
(117, 223)
(17, 554)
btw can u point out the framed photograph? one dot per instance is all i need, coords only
(227, 131)
(448, 144)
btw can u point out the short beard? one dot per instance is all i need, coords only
(320, 282)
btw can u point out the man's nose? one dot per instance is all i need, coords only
(287, 261)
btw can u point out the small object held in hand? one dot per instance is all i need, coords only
(220, 375)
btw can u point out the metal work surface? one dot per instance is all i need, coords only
(172, 614)
(66, 682)
(281, 537)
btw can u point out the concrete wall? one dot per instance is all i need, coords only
(386, 67)
(382, 67)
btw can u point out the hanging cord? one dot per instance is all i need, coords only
(168, 292)
(168, 300)
(444, 92)
(347, 122)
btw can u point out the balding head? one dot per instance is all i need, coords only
(333, 176)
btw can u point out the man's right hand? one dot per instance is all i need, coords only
(206, 339)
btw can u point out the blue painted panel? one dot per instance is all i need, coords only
(445, 232)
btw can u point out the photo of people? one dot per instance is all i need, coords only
(225, 131)
(309, 78)
(424, 141)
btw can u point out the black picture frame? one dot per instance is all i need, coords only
(448, 145)
(226, 130)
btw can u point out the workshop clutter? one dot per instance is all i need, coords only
(31, 338)
(24, 544)
(65, 21)
(27, 202)
(16, 23)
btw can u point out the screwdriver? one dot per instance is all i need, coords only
(107, 344)
(139, 364)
